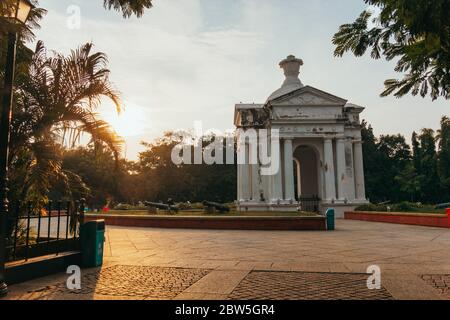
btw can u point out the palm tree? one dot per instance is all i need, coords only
(128, 7)
(57, 99)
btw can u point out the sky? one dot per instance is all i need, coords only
(193, 60)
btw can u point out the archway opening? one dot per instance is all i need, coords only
(306, 173)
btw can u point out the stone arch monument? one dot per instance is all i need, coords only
(320, 151)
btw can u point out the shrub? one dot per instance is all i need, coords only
(372, 207)
(405, 207)
(184, 206)
(197, 205)
(126, 206)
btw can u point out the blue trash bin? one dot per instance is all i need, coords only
(92, 236)
(330, 219)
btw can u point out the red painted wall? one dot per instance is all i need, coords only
(429, 220)
(237, 223)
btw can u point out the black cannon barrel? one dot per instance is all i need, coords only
(162, 206)
(443, 205)
(218, 206)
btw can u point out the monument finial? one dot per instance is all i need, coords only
(291, 66)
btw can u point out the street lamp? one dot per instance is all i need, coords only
(17, 14)
(18, 11)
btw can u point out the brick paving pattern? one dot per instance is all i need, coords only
(263, 285)
(123, 280)
(439, 281)
(404, 253)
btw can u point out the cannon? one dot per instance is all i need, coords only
(161, 206)
(443, 206)
(216, 206)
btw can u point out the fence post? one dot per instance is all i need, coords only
(3, 217)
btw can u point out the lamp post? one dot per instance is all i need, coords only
(17, 13)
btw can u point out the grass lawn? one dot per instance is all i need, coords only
(201, 213)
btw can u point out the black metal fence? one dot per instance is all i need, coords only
(34, 231)
(309, 203)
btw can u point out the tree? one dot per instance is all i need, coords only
(386, 166)
(417, 156)
(428, 166)
(444, 156)
(102, 174)
(55, 103)
(416, 33)
(394, 156)
(410, 182)
(372, 164)
(129, 7)
(161, 179)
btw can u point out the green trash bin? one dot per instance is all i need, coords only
(92, 236)
(330, 219)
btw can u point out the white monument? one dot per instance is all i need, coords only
(320, 151)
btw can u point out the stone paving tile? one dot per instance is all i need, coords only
(441, 282)
(119, 281)
(260, 285)
(218, 282)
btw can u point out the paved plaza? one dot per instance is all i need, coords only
(223, 264)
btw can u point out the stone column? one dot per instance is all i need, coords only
(239, 182)
(330, 184)
(240, 185)
(244, 177)
(299, 178)
(340, 167)
(254, 168)
(276, 179)
(288, 170)
(359, 170)
(350, 171)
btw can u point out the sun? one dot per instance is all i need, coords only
(132, 121)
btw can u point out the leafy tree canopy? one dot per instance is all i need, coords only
(128, 7)
(55, 102)
(416, 33)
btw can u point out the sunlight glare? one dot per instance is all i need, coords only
(132, 121)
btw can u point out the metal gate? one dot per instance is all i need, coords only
(33, 231)
(309, 204)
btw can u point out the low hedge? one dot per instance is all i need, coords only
(404, 206)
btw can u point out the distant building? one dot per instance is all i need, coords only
(320, 152)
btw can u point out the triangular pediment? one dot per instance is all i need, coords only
(308, 96)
